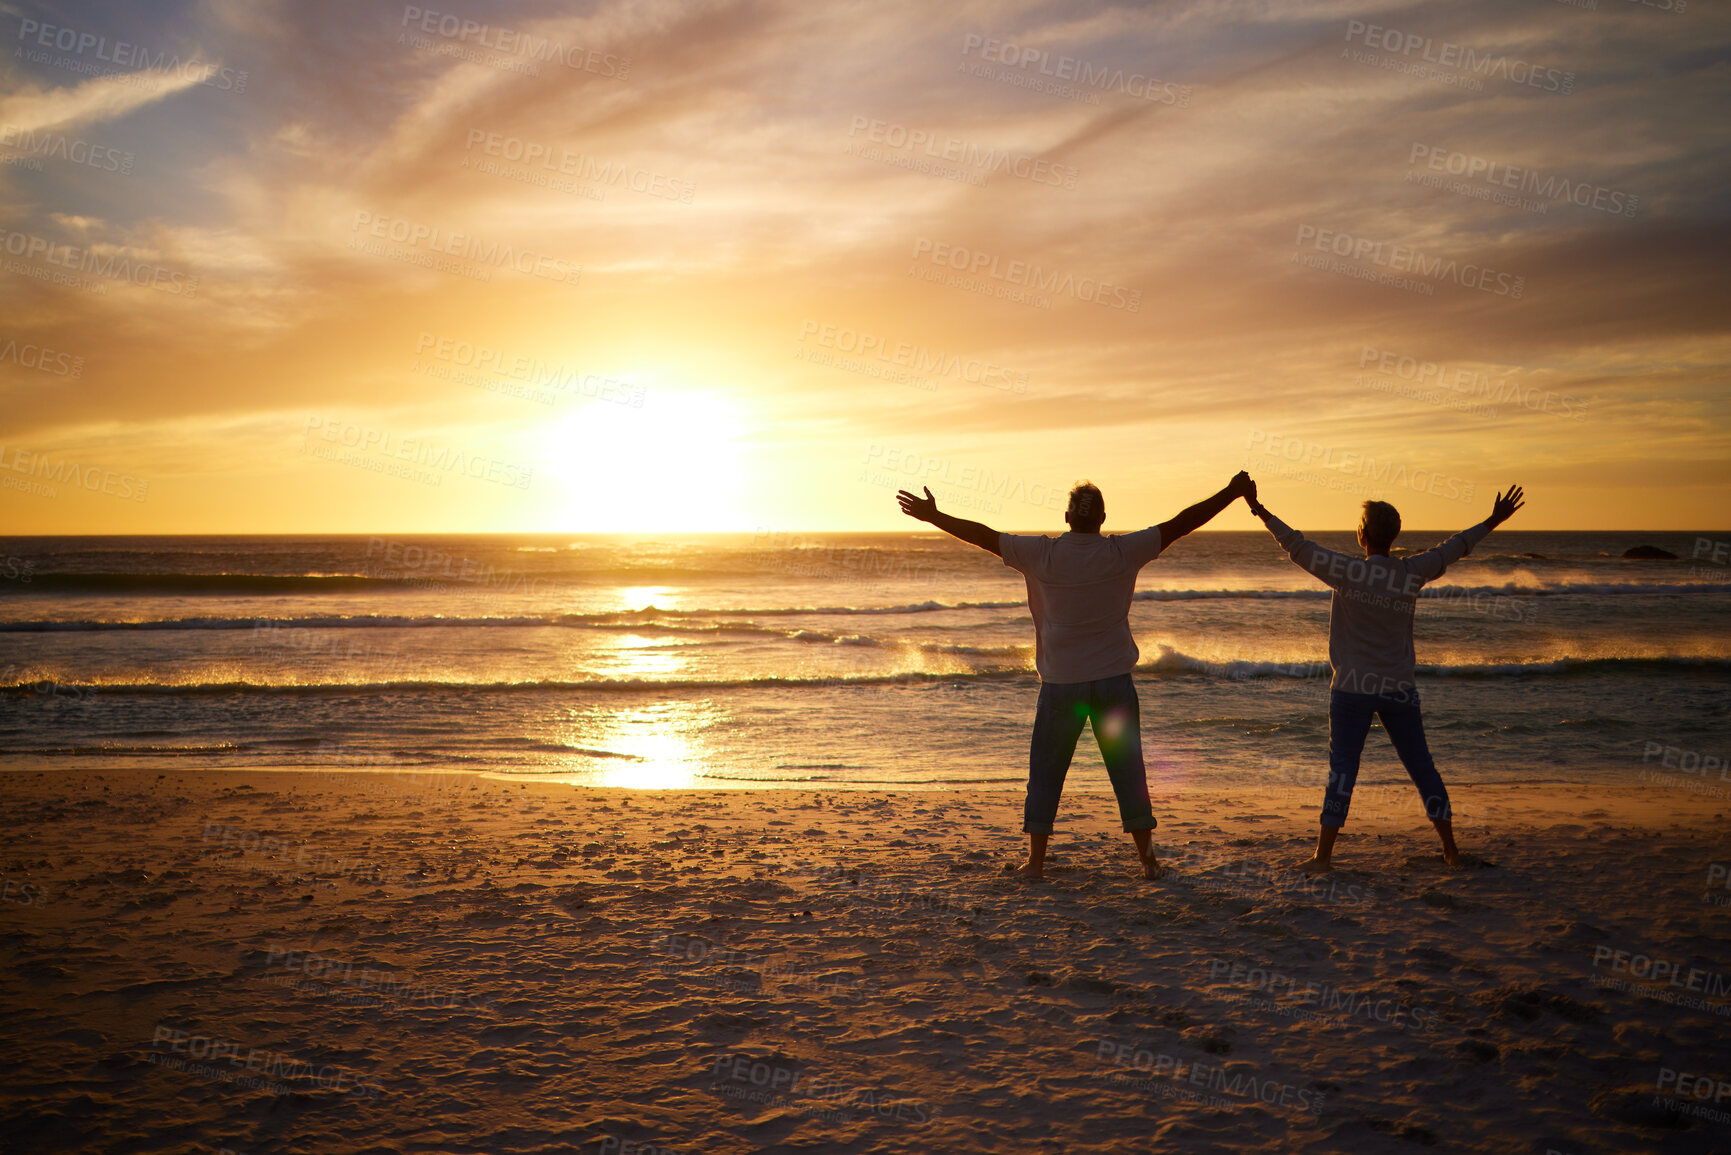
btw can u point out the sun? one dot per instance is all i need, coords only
(673, 465)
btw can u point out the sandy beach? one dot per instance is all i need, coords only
(316, 962)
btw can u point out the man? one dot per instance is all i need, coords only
(1370, 651)
(1079, 590)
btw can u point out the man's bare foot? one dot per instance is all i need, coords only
(1453, 860)
(1151, 867)
(1314, 866)
(1030, 871)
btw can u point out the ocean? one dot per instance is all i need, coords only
(841, 660)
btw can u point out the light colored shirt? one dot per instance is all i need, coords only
(1080, 586)
(1370, 614)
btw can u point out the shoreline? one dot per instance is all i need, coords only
(1377, 781)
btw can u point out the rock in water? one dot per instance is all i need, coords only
(1648, 553)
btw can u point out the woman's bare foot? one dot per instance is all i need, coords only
(1151, 867)
(1030, 871)
(1314, 866)
(1451, 855)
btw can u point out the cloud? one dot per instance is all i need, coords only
(35, 108)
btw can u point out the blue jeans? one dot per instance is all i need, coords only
(1349, 723)
(1110, 705)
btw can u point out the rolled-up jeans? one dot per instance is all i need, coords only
(1349, 718)
(1110, 706)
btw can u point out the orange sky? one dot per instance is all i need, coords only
(657, 266)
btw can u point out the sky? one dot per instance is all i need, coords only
(355, 267)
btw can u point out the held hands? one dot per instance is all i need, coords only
(925, 509)
(1243, 485)
(1506, 505)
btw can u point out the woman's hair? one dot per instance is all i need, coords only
(1380, 524)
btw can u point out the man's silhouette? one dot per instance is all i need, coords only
(1080, 587)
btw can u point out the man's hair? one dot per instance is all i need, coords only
(1087, 507)
(1380, 524)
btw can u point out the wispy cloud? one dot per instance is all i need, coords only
(34, 108)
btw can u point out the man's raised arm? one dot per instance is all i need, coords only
(926, 509)
(1203, 511)
(1432, 563)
